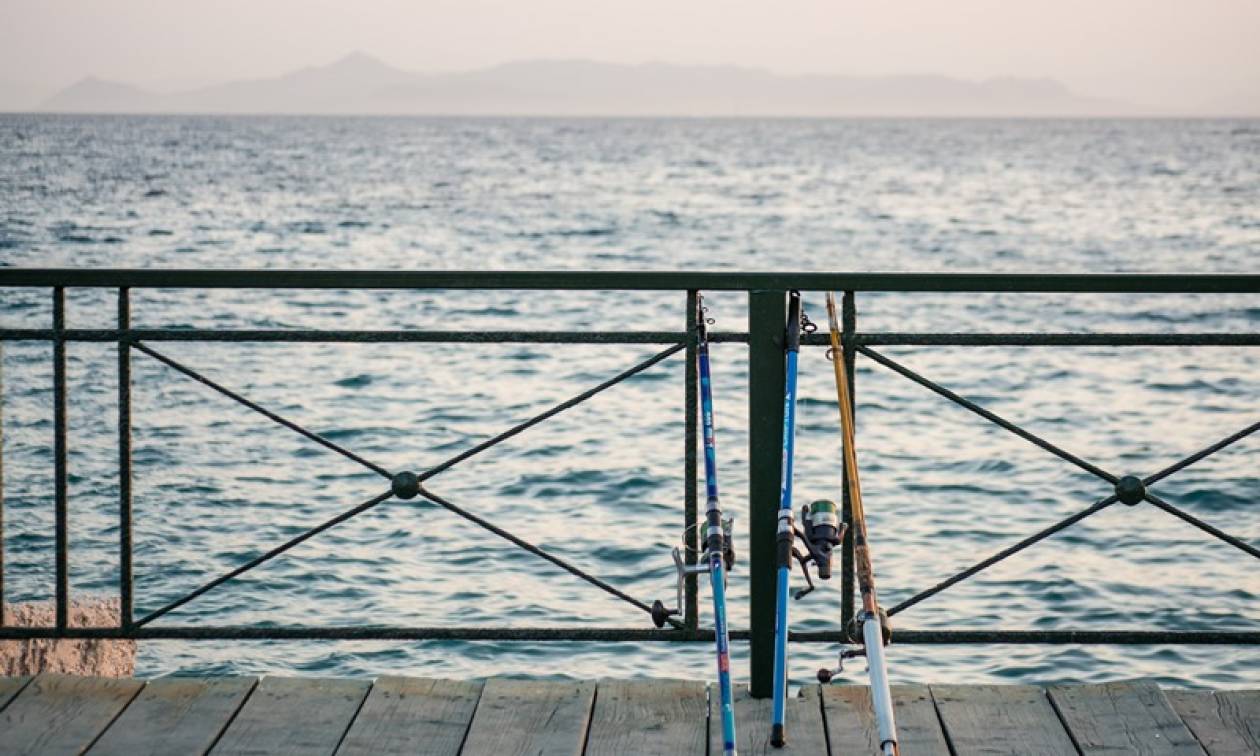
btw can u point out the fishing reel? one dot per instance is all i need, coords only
(822, 532)
(855, 631)
(662, 613)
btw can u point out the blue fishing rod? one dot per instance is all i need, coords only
(822, 531)
(719, 551)
(786, 529)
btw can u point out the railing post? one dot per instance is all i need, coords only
(1, 484)
(691, 401)
(848, 315)
(766, 313)
(60, 502)
(125, 583)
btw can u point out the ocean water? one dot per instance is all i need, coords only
(601, 485)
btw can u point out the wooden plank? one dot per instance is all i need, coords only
(1000, 719)
(294, 715)
(63, 714)
(183, 715)
(1227, 723)
(803, 722)
(519, 717)
(851, 723)
(634, 717)
(1124, 717)
(10, 687)
(411, 715)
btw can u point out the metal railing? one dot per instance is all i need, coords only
(764, 338)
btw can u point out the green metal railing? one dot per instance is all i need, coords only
(767, 293)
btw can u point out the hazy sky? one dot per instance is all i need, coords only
(1162, 52)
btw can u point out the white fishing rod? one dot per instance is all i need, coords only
(872, 620)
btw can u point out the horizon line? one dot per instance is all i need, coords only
(1154, 116)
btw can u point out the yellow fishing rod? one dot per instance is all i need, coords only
(872, 621)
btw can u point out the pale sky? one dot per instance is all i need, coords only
(1159, 52)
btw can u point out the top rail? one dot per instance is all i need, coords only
(1104, 283)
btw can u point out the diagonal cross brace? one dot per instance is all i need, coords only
(404, 485)
(1132, 495)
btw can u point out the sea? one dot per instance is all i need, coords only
(601, 485)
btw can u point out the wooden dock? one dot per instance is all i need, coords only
(55, 714)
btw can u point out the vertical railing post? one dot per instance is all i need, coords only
(1, 484)
(766, 313)
(848, 315)
(125, 594)
(691, 400)
(59, 457)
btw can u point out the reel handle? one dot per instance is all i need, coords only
(662, 613)
(827, 675)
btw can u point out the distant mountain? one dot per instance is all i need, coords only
(93, 95)
(361, 84)
(341, 87)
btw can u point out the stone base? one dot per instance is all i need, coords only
(99, 657)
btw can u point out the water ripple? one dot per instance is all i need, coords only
(602, 484)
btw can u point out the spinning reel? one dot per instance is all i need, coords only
(856, 633)
(823, 531)
(723, 542)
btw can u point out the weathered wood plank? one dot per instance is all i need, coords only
(1005, 719)
(530, 717)
(1124, 717)
(10, 687)
(408, 715)
(648, 717)
(60, 714)
(1227, 723)
(63, 714)
(803, 722)
(175, 715)
(294, 715)
(852, 727)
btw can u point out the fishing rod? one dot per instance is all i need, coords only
(719, 549)
(872, 623)
(822, 531)
(822, 528)
(785, 538)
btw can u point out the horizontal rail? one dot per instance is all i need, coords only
(379, 336)
(1116, 283)
(555, 634)
(874, 338)
(1047, 339)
